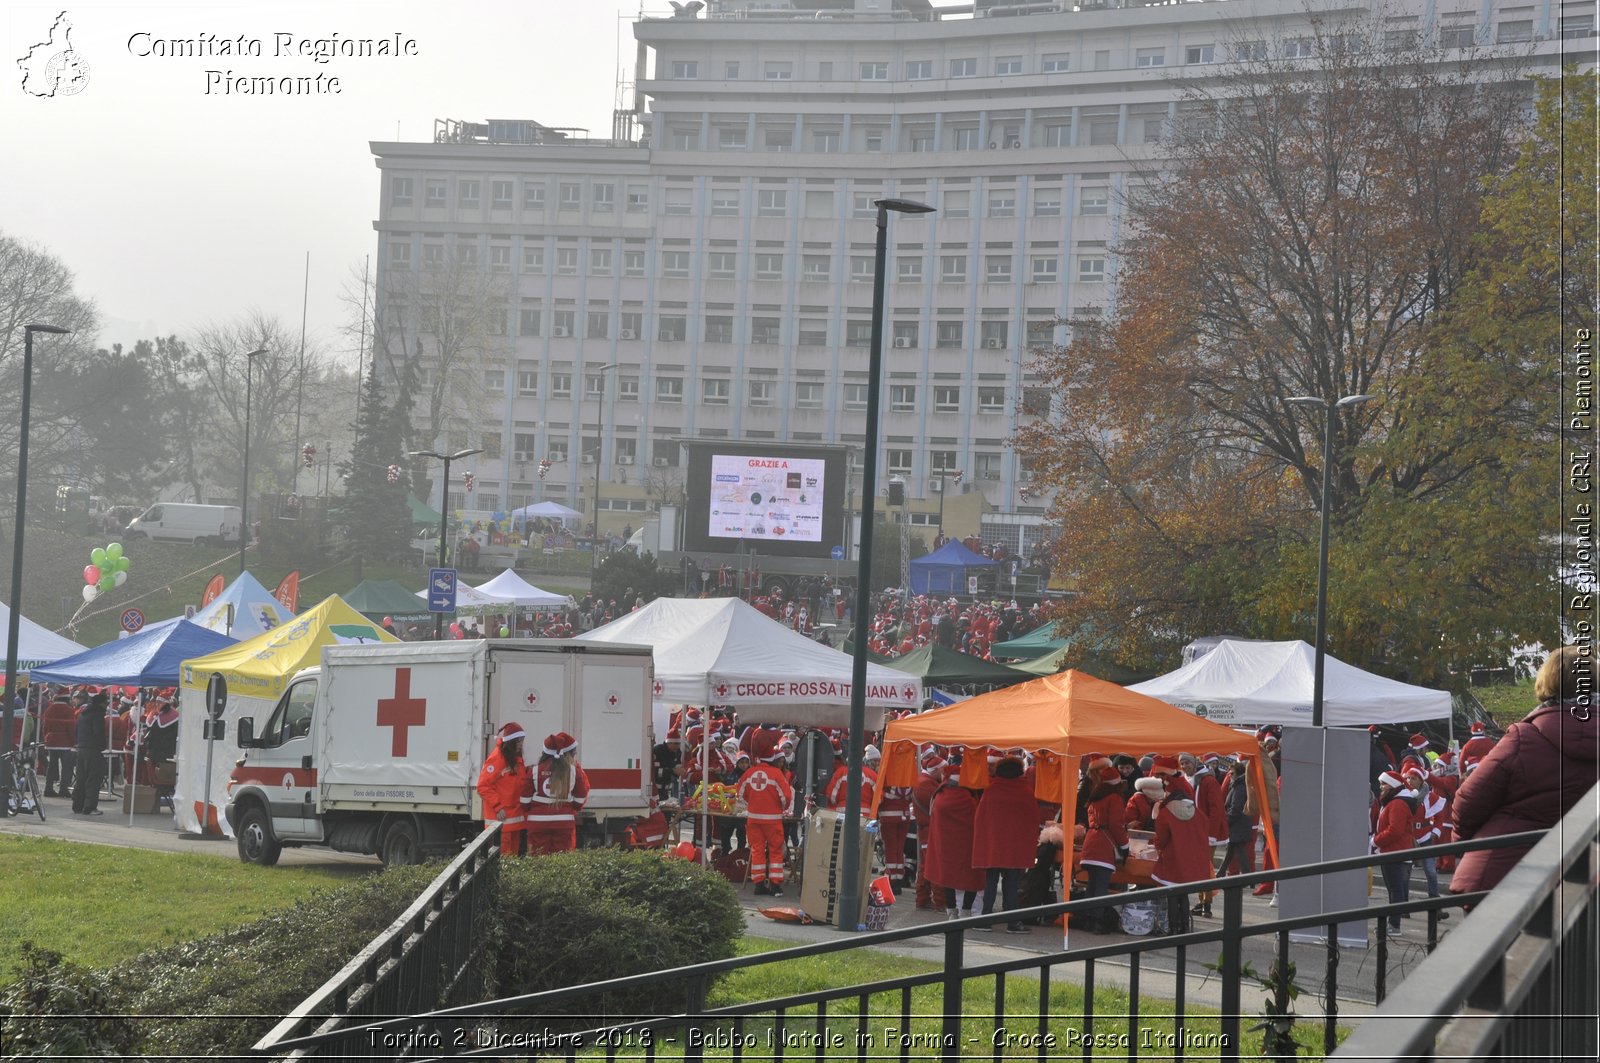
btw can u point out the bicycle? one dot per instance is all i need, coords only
(21, 782)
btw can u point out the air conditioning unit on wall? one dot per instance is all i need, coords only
(936, 486)
(661, 463)
(624, 459)
(559, 333)
(902, 341)
(994, 343)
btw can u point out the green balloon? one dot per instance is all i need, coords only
(108, 580)
(97, 557)
(122, 563)
(114, 551)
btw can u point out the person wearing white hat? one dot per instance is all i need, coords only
(1393, 832)
(501, 784)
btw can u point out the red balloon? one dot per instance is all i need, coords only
(91, 573)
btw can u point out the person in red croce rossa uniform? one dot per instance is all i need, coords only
(558, 792)
(501, 784)
(765, 790)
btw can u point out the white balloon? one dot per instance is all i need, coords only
(91, 592)
(121, 578)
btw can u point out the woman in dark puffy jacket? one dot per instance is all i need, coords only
(1531, 778)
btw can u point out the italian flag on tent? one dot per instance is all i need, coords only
(257, 672)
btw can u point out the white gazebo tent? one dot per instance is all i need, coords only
(549, 511)
(37, 645)
(508, 588)
(1245, 682)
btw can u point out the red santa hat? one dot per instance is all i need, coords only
(693, 736)
(560, 744)
(1477, 727)
(1165, 764)
(1410, 764)
(1151, 787)
(1210, 758)
(1391, 780)
(1419, 742)
(511, 732)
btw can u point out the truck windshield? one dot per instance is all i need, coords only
(292, 717)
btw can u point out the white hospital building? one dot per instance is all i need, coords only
(706, 269)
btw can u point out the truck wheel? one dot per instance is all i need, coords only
(400, 846)
(256, 843)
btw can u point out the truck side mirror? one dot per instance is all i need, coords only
(247, 732)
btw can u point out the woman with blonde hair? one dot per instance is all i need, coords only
(556, 795)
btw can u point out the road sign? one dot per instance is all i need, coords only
(838, 553)
(216, 695)
(132, 620)
(441, 590)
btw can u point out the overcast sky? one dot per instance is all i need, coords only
(176, 207)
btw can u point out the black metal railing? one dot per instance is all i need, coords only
(1519, 981)
(432, 955)
(955, 1012)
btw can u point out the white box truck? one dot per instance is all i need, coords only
(186, 522)
(378, 750)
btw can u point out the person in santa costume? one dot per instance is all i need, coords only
(1476, 748)
(894, 826)
(558, 793)
(834, 794)
(1394, 831)
(1105, 843)
(1430, 810)
(1183, 850)
(928, 783)
(501, 784)
(769, 797)
(1005, 838)
(950, 845)
(1140, 811)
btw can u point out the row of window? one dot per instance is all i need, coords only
(1508, 31)
(724, 265)
(1099, 128)
(502, 193)
(717, 391)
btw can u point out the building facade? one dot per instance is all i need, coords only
(707, 272)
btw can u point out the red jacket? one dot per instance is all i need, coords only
(1104, 835)
(58, 726)
(1430, 817)
(544, 810)
(1476, 748)
(1006, 827)
(1183, 850)
(1528, 781)
(895, 803)
(501, 787)
(950, 842)
(1138, 813)
(1395, 831)
(766, 791)
(833, 795)
(922, 801)
(1209, 806)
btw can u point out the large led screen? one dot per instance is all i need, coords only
(771, 499)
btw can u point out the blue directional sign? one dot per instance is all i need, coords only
(838, 553)
(441, 590)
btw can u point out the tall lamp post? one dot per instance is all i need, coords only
(599, 452)
(1329, 407)
(849, 868)
(444, 512)
(244, 488)
(13, 627)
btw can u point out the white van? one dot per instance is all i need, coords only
(186, 522)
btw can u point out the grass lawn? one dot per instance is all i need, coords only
(98, 905)
(1507, 702)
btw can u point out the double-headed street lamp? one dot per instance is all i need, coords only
(599, 452)
(244, 488)
(13, 627)
(1329, 407)
(444, 511)
(849, 869)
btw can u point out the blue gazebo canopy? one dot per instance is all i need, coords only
(152, 658)
(945, 570)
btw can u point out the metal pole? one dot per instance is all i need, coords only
(599, 452)
(444, 508)
(1322, 571)
(244, 488)
(14, 622)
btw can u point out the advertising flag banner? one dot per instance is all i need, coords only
(288, 592)
(213, 589)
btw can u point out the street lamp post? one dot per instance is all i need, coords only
(849, 867)
(1328, 407)
(444, 512)
(13, 627)
(244, 488)
(599, 452)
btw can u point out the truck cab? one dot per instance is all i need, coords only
(272, 791)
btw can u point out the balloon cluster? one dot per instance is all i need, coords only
(107, 568)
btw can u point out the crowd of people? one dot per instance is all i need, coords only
(90, 739)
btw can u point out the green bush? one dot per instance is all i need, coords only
(57, 1010)
(595, 914)
(217, 995)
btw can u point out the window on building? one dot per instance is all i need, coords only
(528, 322)
(719, 328)
(906, 333)
(991, 400)
(625, 451)
(947, 399)
(1457, 37)
(857, 333)
(1299, 48)
(433, 256)
(672, 328)
(731, 138)
(963, 68)
(773, 202)
(594, 386)
(599, 324)
(600, 262)
(957, 204)
(527, 387)
(1147, 57)
(1046, 202)
(903, 398)
(725, 202)
(1041, 332)
(919, 70)
(399, 254)
(1091, 268)
(684, 69)
(1103, 130)
(908, 269)
(1058, 135)
(1008, 64)
(921, 140)
(997, 269)
(1250, 51)
(855, 396)
(628, 388)
(567, 260)
(435, 192)
(1045, 269)
(898, 461)
(500, 258)
(778, 139)
(778, 71)
(400, 191)
(730, 71)
(808, 395)
(714, 391)
(862, 268)
(1003, 203)
(525, 445)
(669, 389)
(764, 330)
(561, 323)
(685, 138)
(556, 449)
(532, 195)
(953, 269)
(500, 193)
(949, 334)
(1577, 27)
(605, 198)
(674, 263)
(769, 267)
(819, 203)
(1056, 63)
(874, 71)
(561, 385)
(816, 267)
(1094, 199)
(633, 263)
(873, 139)
(1514, 31)
(664, 453)
(571, 196)
(494, 381)
(1200, 53)
(965, 139)
(638, 199)
(825, 140)
(467, 194)
(631, 324)
(760, 393)
(813, 332)
(722, 264)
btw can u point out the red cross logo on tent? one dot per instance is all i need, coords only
(722, 690)
(611, 699)
(402, 712)
(531, 697)
(658, 687)
(909, 692)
